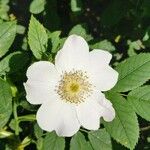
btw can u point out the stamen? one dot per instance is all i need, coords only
(74, 87)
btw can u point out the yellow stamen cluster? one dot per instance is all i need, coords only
(74, 87)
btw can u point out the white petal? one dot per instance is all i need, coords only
(42, 71)
(101, 74)
(42, 79)
(73, 55)
(108, 112)
(103, 57)
(38, 92)
(89, 112)
(58, 116)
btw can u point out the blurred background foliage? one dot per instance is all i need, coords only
(121, 27)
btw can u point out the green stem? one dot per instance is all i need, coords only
(123, 94)
(145, 128)
(5, 134)
(16, 118)
(30, 117)
(84, 130)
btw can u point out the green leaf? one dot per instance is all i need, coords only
(100, 140)
(10, 63)
(26, 105)
(7, 36)
(124, 128)
(25, 142)
(25, 43)
(20, 29)
(38, 131)
(78, 142)
(5, 102)
(37, 6)
(80, 29)
(53, 142)
(55, 40)
(133, 72)
(39, 143)
(147, 35)
(140, 101)
(37, 38)
(4, 8)
(76, 5)
(135, 45)
(104, 45)
(12, 125)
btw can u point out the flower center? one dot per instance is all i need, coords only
(74, 87)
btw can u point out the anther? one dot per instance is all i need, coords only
(74, 86)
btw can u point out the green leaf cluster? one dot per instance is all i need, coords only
(36, 30)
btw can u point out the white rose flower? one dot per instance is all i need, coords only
(70, 90)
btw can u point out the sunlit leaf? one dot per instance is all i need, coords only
(53, 142)
(37, 38)
(80, 29)
(133, 72)
(104, 45)
(140, 101)
(78, 141)
(5, 102)
(37, 6)
(100, 140)
(76, 5)
(55, 40)
(7, 36)
(124, 128)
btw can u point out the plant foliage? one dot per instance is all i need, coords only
(35, 30)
